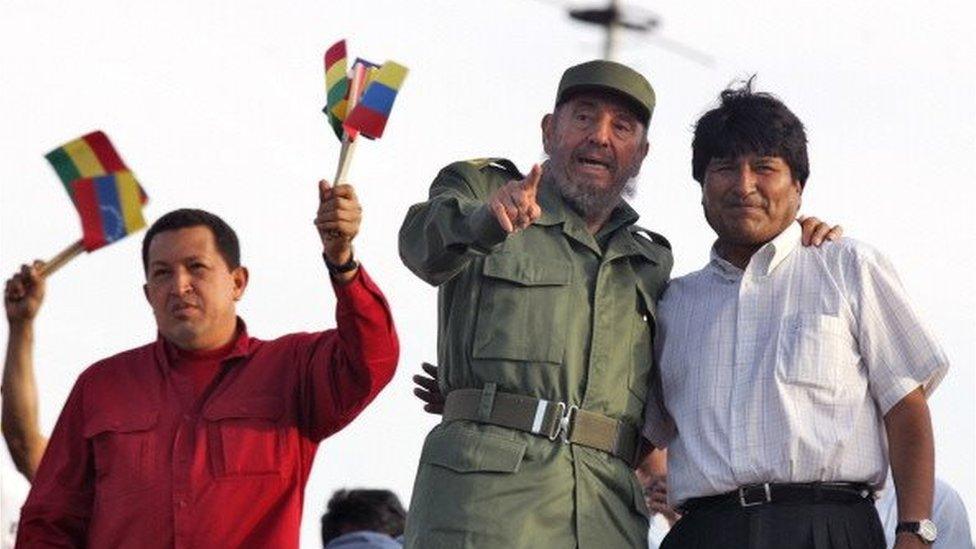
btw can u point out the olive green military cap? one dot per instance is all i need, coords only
(609, 76)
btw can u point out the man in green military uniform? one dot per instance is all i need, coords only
(546, 318)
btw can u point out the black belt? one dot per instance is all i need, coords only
(766, 493)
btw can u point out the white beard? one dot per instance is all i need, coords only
(589, 202)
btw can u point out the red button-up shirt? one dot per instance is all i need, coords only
(133, 462)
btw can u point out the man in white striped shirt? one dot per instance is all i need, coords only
(788, 375)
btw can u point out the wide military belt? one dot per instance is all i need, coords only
(547, 418)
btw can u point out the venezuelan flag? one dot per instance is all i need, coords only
(336, 85)
(373, 110)
(90, 155)
(110, 207)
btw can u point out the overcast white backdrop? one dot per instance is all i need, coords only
(217, 105)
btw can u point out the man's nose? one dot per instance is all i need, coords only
(745, 180)
(182, 282)
(602, 131)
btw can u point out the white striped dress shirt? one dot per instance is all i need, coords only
(783, 372)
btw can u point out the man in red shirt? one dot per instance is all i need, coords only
(205, 438)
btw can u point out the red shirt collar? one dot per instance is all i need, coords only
(238, 348)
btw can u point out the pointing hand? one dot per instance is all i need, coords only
(514, 204)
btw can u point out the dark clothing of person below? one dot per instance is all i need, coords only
(780, 526)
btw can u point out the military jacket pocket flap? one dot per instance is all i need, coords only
(527, 270)
(647, 299)
(129, 423)
(464, 450)
(269, 408)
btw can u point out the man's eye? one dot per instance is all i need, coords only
(624, 127)
(160, 273)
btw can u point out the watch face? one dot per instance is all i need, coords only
(927, 530)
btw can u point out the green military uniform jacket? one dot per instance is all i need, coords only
(550, 312)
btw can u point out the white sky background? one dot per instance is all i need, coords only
(217, 105)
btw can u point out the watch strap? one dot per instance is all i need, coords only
(924, 529)
(334, 269)
(908, 527)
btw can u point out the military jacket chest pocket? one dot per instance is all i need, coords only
(523, 308)
(244, 436)
(125, 449)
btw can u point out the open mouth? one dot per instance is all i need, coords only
(593, 163)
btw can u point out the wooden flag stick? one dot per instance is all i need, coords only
(62, 258)
(349, 141)
(345, 158)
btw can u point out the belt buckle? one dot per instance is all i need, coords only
(746, 501)
(566, 421)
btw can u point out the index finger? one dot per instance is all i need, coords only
(531, 181)
(344, 190)
(35, 271)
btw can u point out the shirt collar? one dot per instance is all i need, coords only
(622, 215)
(239, 349)
(554, 208)
(766, 258)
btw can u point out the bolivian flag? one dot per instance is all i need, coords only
(110, 207)
(336, 86)
(89, 156)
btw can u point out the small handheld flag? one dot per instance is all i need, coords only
(91, 155)
(336, 85)
(109, 206)
(103, 190)
(358, 102)
(371, 113)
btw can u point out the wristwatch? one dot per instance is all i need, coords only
(924, 529)
(340, 269)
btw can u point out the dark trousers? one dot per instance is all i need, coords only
(780, 526)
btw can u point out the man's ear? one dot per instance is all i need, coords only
(645, 148)
(547, 123)
(240, 276)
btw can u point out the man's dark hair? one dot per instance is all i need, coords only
(355, 510)
(224, 236)
(748, 122)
